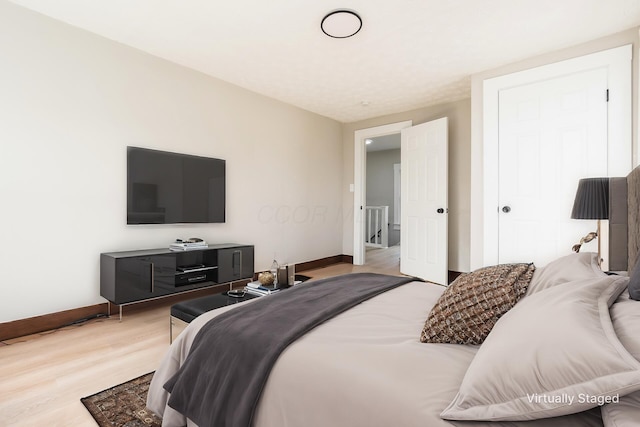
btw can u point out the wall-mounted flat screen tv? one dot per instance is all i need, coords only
(172, 188)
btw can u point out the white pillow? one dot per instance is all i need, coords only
(554, 353)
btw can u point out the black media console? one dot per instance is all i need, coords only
(133, 276)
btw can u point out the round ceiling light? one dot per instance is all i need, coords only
(341, 24)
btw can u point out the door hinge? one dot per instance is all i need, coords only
(607, 95)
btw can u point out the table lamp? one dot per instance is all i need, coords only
(592, 202)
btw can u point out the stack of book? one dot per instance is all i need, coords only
(185, 245)
(256, 288)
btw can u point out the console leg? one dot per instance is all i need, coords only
(120, 306)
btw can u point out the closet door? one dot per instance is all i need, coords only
(551, 134)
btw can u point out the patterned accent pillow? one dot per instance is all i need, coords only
(470, 307)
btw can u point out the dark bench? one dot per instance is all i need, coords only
(184, 312)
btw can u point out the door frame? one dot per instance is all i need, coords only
(360, 181)
(618, 63)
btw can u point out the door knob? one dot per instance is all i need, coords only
(506, 209)
(440, 210)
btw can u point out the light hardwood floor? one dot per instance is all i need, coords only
(43, 376)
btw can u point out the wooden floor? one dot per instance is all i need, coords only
(43, 376)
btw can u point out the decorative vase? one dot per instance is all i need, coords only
(266, 278)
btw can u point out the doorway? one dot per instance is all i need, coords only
(360, 182)
(383, 204)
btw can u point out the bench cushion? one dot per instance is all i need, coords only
(189, 310)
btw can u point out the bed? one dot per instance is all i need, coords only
(562, 349)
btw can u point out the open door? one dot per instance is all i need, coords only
(424, 187)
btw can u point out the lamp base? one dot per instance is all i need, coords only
(599, 251)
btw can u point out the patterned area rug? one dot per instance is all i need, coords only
(123, 405)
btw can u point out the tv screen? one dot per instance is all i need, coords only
(172, 188)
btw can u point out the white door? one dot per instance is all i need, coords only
(551, 134)
(424, 186)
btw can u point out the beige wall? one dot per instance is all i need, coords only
(72, 102)
(623, 38)
(459, 114)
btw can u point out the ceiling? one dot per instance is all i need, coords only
(409, 53)
(383, 143)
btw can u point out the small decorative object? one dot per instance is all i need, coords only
(266, 278)
(586, 239)
(236, 293)
(283, 279)
(274, 271)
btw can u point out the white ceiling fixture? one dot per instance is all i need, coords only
(413, 54)
(341, 24)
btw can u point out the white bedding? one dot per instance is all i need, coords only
(365, 367)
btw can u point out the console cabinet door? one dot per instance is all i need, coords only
(247, 268)
(235, 264)
(140, 278)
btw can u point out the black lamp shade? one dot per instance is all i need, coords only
(592, 199)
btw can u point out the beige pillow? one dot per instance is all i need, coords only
(554, 353)
(583, 265)
(625, 413)
(625, 314)
(473, 303)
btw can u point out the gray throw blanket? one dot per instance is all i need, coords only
(232, 355)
